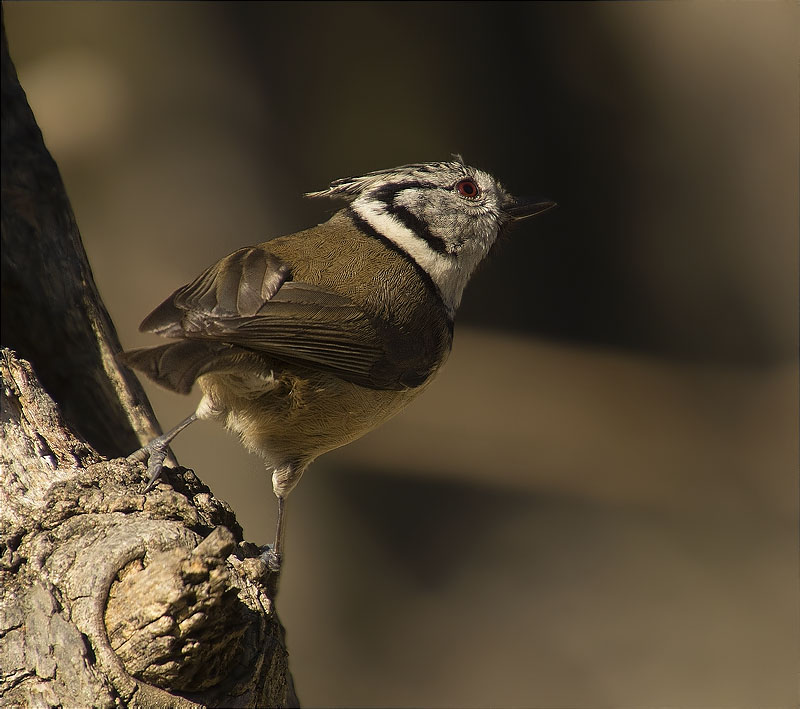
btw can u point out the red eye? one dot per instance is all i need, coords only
(467, 188)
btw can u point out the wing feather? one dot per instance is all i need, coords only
(248, 299)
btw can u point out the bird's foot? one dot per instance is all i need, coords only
(157, 450)
(271, 558)
(154, 453)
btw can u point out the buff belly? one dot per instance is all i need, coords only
(290, 418)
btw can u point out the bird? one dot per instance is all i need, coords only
(306, 342)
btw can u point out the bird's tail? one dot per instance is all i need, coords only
(177, 365)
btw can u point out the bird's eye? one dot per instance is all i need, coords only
(468, 188)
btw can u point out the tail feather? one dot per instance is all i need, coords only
(175, 366)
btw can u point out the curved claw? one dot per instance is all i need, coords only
(156, 451)
(271, 558)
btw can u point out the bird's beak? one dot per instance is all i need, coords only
(523, 207)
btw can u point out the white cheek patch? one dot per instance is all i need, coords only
(450, 273)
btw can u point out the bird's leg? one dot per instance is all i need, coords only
(155, 451)
(274, 556)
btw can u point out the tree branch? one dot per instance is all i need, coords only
(111, 594)
(108, 597)
(51, 311)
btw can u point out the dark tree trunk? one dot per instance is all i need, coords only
(108, 597)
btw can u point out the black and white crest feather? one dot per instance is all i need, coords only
(419, 208)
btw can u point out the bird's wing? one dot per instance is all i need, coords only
(247, 299)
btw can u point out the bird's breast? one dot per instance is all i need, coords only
(297, 415)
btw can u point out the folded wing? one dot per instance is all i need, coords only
(248, 300)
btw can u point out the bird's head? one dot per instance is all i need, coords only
(444, 215)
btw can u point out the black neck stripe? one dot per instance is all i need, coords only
(365, 227)
(412, 222)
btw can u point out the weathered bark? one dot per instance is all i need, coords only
(52, 314)
(108, 597)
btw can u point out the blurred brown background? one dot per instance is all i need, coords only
(596, 503)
